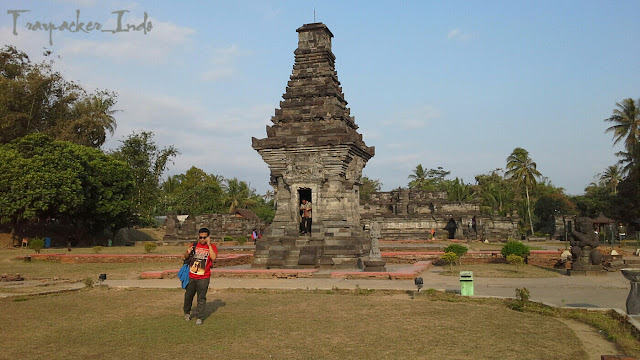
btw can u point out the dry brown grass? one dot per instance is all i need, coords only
(502, 270)
(124, 324)
(37, 269)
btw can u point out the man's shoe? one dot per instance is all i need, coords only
(198, 322)
(187, 317)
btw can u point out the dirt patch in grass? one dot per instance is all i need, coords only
(502, 270)
(118, 324)
(156, 234)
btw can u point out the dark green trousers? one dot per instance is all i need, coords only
(199, 286)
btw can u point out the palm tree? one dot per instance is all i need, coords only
(269, 195)
(419, 177)
(627, 128)
(172, 183)
(522, 170)
(238, 194)
(93, 118)
(629, 159)
(612, 177)
(457, 190)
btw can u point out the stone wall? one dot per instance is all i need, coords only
(220, 225)
(411, 214)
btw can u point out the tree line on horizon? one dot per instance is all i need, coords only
(53, 170)
(52, 167)
(521, 189)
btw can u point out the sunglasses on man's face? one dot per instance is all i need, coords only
(202, 237)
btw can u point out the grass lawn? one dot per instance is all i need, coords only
(502, 270)
(48, 269)
(148, 324)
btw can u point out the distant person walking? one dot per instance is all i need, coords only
(622, 232)
(201, 256)
(306, 216)
(254, 236)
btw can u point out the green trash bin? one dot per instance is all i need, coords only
(466, 283)
(110, 242)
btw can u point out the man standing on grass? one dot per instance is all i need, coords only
(200, 262)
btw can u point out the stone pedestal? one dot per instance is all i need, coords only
(633, 300)
(587, 263)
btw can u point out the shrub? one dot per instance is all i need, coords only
(515, 248)
(149, 247)
(88, 282)
(36, 244)
(227, 238)
(450, 258)
(514, 259)
(97, 249)
(241, 240)
(523, 295)
(457, 249)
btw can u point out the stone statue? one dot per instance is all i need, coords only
(583, 244)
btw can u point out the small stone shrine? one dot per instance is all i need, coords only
(314, 153)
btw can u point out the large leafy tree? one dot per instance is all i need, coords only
(627, 202)
(36, 99)
(550, 205)
(597, 198)
(198, 193)
(41, 178)
(522, 170)
(495, 192)
(147, 163)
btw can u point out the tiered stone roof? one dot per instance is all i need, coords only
(313, 103)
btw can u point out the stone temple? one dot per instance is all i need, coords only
(314, 153)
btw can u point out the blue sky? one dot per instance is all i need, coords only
(457, 84)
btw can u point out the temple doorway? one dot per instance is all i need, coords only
(304, 194)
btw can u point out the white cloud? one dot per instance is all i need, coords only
(223, 63)
(416, 118)
(218, 73)
(457, 34)
(216, 141)
(79, 2)
(155, 46)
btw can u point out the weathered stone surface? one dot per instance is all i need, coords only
(314, 152)
(374, 263)
(220, 225)
(411, 214)
(375, 268)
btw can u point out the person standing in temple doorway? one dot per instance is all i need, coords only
(305, 207)
(474, 227)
